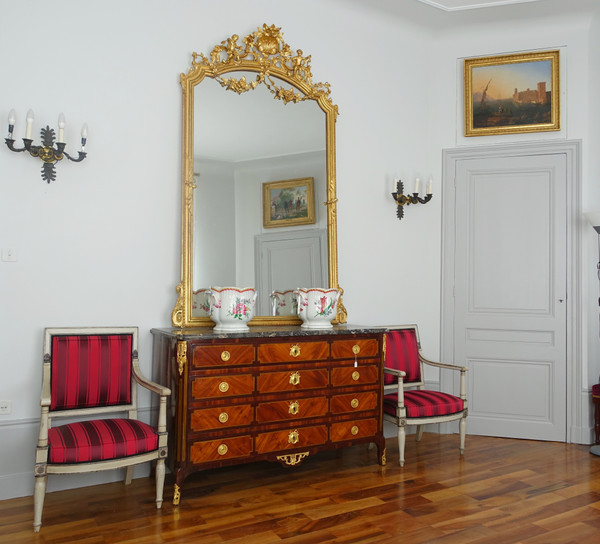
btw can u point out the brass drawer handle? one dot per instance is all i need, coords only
(295, 378)
(354, 403)
(356, 349)
(356, 375)
(225, 355)
(223, 417)
(294, 407)
(295, 350)
(293, 437)
(354, 430)
(223, 387)
(222, 449)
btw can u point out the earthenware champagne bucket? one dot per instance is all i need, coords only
(284, 302)
(231, 308)
(317, 307)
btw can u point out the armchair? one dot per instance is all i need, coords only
(89, 373)
(406, 401)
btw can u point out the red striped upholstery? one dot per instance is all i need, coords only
(90, 370)
(402, 353)
(100, 439)
(424, 404)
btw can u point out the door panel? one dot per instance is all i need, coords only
(510, 293)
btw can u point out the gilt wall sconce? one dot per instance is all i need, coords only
(414, 198)
(49, 154)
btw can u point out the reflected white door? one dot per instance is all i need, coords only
(510, 293)
(288, 260)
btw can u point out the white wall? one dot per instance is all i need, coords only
(100, 245)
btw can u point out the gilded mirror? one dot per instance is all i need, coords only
(254, 120)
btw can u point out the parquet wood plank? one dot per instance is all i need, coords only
(501, 491)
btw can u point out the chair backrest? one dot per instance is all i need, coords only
(402, 353)
(90, 368)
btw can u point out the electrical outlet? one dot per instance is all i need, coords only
(9, 254)
(5, 407)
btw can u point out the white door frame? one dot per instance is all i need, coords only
(578, 431)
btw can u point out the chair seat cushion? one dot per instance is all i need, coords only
(424, 403)
(99, 440)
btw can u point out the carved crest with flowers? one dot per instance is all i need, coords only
(265, 53)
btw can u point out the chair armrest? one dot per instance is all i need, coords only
(444, 365)
(148, 384)
(399, 373)
(461, 369)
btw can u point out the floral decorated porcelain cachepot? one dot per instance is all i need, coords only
(317, 307)
(231, 308)
(200, 303)
(284, 302)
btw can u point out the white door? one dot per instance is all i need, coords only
(510, 293)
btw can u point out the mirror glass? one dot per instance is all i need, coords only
(259, 120)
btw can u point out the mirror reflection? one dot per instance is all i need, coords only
(240, 143)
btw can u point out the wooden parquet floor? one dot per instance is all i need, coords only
(501, 491)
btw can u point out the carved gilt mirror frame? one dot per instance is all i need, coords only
(287, 76)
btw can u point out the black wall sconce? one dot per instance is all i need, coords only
(49, 154)
(414, 198)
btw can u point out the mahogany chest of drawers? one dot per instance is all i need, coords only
(277, 394)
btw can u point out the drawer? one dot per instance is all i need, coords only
(354, 375)
(354, 402)
(347, 430)
(292, 351)
(214, 387)
(223, 417)
(292, 380)
(357, 347)
(291, 439)
(291, 409)
(224, 355)
(217, 450)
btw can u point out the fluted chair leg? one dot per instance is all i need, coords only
(401, 442)
(419, 432)
(462, 427)
(39, 493)
(160, 481)
(128, 474)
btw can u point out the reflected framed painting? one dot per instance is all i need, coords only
(289, 202)
(510, 94)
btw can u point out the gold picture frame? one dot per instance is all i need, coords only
(288, 202)
(511, 94)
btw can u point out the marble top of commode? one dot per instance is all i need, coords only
(266, 332)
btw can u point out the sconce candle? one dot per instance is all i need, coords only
(430, 186)
(29, 126)
(61, 128)
(12, 117)
(46, 152)
(84, 130)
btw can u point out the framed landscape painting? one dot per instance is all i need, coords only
(289, 202)
(510, 94)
